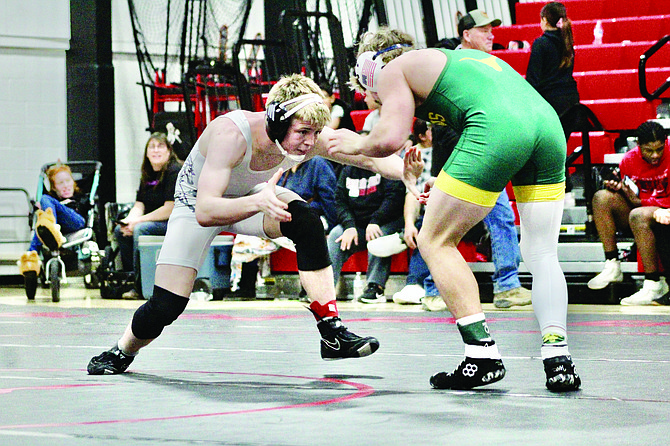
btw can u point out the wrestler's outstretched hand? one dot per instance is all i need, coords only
(423, 198)
(344, 141)
(412, 170)
(269, 204)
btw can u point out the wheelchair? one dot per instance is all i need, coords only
(112, 281)
(80, 251)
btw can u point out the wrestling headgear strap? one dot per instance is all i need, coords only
(277, 119)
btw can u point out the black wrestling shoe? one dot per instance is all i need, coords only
(472, 372)
(339, 343)
(110, 362)
(561, 374)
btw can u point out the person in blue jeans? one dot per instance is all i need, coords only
(59, 213)
(417, 271)
(153, 204)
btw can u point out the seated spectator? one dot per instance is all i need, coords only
(628, 202)
(413, 216)
(372, 118)
(59, 212)
(315, 182)
(153, 204)
(368, 206)
(340, 117)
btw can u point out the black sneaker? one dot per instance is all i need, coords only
(561, 374)
(373, 294)
(663, 300)
(339, 343)
(110, 362)
(472, 372)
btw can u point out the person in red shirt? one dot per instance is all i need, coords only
(628, 202)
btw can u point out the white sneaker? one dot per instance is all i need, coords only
(433, 303)
(650, 290)
(611, 273)
(411, 294)
(387, 246)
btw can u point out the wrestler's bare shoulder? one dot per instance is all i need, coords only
(223, 131)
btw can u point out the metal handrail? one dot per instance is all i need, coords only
(642, 74)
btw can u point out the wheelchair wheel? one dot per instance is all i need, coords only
(54, 278)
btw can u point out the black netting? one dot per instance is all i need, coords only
(170, 33)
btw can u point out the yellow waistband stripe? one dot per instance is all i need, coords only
(540, 192)
(465, 192)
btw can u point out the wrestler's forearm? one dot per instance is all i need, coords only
(218, 211)
(383, 141)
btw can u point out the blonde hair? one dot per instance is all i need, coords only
(294, 85)
(384, 37)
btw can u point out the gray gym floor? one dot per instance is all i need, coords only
(249, 373)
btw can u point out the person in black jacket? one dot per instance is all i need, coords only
(153, 204)
(368, 206)
(551, 63)
(340, 111)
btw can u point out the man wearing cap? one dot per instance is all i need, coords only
(475, 32)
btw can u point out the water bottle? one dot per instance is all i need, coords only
(598, 33)
(359, 285)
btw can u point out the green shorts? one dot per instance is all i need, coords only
(488, 156)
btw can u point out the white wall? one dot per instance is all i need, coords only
(33, 126)
(32, 88)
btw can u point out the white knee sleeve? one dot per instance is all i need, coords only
(540, 227)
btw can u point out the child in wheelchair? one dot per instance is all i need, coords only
(62, 208)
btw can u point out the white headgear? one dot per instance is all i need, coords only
(369, 65)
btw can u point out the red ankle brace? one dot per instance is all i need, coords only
(323, 311)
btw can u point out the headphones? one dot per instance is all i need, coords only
(277, 114)
(367, 68)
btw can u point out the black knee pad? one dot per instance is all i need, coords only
(306, 231)
(162, 309)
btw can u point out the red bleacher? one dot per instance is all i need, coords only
(607, 74)
(609, 56)
(593, 9)
(617, 30)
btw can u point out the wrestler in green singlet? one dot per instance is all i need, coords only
(508, 131)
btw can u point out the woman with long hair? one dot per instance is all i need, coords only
(153, 204)
(551, 63)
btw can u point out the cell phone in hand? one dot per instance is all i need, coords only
(631, 185)
(612, 175)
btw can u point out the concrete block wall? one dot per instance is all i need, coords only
(34, 36)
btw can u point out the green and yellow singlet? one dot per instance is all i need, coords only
(508, 131)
